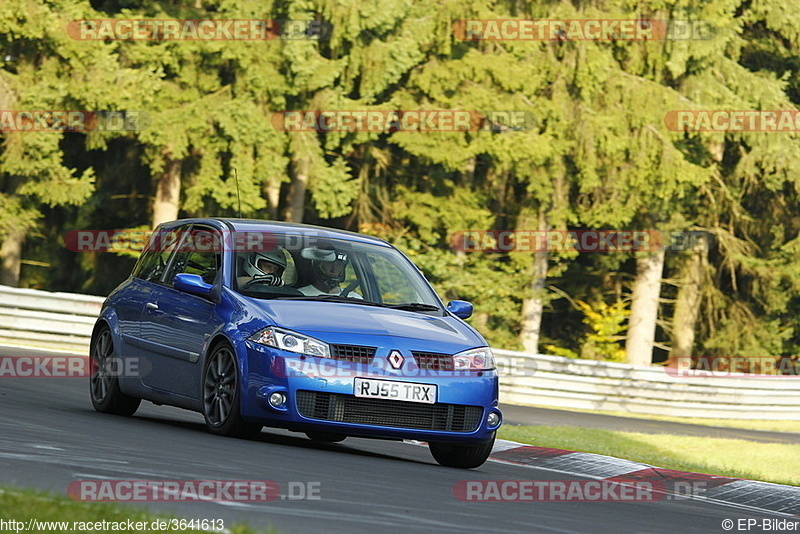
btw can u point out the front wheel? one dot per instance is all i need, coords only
(221, 397)
(462, 456)
(104, 382)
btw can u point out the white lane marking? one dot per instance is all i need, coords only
(66, 460)
(45, 447)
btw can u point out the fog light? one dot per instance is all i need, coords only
(277, 399)
(493, 419)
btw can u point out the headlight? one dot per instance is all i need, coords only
(291, 341)
(474, 360)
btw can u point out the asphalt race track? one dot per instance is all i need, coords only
(50, 436)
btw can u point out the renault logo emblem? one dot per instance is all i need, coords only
(396, 359)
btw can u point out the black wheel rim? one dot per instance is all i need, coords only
(102, 356)
(219, 387)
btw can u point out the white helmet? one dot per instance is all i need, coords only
(254, 266)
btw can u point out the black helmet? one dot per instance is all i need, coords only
(329, 265)
(331, 273)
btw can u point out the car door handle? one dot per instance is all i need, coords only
(151, 306)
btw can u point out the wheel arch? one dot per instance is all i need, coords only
(108, 318)
(221, 339)
(217, 339)
(101, 323)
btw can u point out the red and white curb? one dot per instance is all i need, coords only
(762, 496)
(736, 492)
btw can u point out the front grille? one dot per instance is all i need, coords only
(353, 353)
(382, 412)
(433, 361)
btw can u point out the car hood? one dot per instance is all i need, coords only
(342, 318)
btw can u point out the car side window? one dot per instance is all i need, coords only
(198, 255)
(155, 258)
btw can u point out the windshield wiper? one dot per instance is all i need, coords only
(414, 306)
(329, 298)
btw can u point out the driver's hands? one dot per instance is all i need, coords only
(269, 279)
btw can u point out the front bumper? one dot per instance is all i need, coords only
(320, 396)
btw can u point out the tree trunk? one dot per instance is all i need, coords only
(533, 304)
(301, 164)
(297, 193)
(168, 194)
(272, 191)
(8, 96)
(11, 256)
(687, 305)
(644, 308)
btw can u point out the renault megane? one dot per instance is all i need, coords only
(326, 332)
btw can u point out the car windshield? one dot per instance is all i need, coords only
(311, 268)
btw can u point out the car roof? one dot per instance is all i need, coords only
(258, 225)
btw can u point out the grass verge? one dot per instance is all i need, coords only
(769, 462)
(60, 514)
(746, 424)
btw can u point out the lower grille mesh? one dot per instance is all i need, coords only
(381, 412)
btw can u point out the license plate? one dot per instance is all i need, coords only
(401, 391)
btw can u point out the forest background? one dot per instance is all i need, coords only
(600, 156)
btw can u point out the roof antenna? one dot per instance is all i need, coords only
(236, 177)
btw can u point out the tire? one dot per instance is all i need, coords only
(221, 396)
(103, 383)
(325, 437)
(461, 456)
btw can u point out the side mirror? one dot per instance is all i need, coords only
(192, 284)
(460, 308)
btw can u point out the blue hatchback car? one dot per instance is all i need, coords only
(326, 332)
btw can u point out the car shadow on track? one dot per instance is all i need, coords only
(267, 435)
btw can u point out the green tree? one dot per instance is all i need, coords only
(43, 69)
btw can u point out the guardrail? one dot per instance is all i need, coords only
(540, 380)
(64, 321)
(45, 319)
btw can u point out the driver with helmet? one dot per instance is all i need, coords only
(263, 267)
(329, 273)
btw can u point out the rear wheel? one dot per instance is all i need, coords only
(221, 398)
(463, 456)
(325, 437)
(104, 383)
